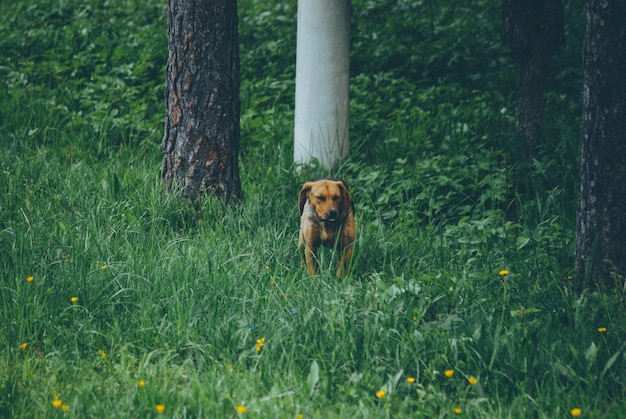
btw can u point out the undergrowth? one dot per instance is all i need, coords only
(120, 300)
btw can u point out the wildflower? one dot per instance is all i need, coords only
(503, 272)
(241, 408)
(103, 267)
(160, 408)
(458, 410)
(57, 403)
(448, 373)
(300, 416)
(472, 380)
(74, 300)
(410, 380)
(141, 383)
(576, 411)
(602, 329)
(102, 353)
(24, 345)
(381, 394)
(30, 278)
(64, 407)
(259, 344)
(294, 310)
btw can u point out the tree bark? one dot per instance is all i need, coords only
(201, 139)
(535, 31)
(601, 224)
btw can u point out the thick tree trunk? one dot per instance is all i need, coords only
(201, 139)
(601, 226)
(534, 29)
(322, 115)
(531, 87)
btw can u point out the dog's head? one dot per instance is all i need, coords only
(329, 198)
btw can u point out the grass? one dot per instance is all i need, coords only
(204, 312)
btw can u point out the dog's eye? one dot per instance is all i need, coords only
(336, 198)
(321, 198)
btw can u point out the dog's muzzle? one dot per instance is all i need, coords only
(332, 216)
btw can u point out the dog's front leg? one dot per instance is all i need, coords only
(309, 251)
(310, 258)
(343, 264)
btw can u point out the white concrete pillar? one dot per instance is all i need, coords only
(322, 117)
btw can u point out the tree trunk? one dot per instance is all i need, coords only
(531, 87)
(535, 31)
(201, 139)
(601, 225)
(322, 117)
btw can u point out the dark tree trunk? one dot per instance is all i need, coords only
(534, 29)
(601, 225)
(201, 139)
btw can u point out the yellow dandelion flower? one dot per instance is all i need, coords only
(57, 403)
(102, 353)
(503, 272)
(381, 394)
(160, 408)
(74, 300)
(602, 329)
(410, 380)
(300, 416)
(141, 383)
(458, 410)
(448, 373)
(24, 345)
(103, 267)
(241, 408)
(576, 411)
(259, 344)
(472, 380)
(30, 278)
(64, 407)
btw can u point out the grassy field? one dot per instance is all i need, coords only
(119, 300)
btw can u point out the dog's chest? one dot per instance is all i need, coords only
(327, 233)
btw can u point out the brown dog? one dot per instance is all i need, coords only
(326, 218)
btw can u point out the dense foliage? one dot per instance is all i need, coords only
(118, 300)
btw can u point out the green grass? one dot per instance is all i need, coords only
(178, 297)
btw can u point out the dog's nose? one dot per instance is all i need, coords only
(332, 214)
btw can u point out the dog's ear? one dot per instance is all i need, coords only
(303, 195)
(346, 200)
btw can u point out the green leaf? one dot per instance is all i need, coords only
(610, 363)
(521, 242)
(314, 377)
(591, 353)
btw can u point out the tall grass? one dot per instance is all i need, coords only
(116, 297)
